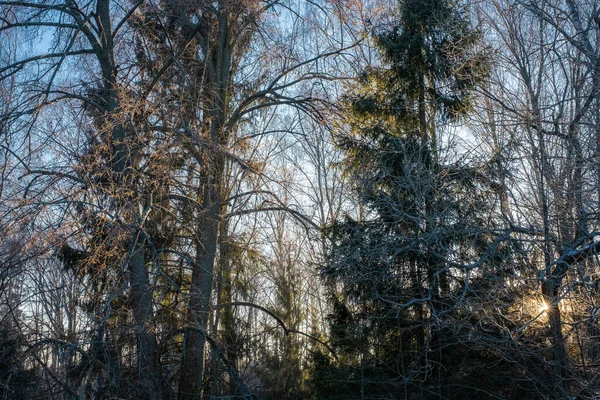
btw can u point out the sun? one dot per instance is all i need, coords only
(543, 307)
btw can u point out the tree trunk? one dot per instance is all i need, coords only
(559, 354)
(218, 68)
(194, 342)
(123, 164)
(148, 369)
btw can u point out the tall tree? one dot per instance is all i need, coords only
(404, 268)
(124, 132)
(545, 86)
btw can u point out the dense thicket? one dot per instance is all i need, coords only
(299, 199)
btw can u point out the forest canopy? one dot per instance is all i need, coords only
(299, 199)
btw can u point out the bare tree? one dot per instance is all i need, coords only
(545, 88)
(124, 135)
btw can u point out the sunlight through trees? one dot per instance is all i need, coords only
(299, 199)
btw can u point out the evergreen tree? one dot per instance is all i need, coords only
(399, 271)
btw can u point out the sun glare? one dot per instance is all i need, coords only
(543, 307)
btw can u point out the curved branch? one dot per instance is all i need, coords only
(279, 321)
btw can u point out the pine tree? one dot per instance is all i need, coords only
(397, 267)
